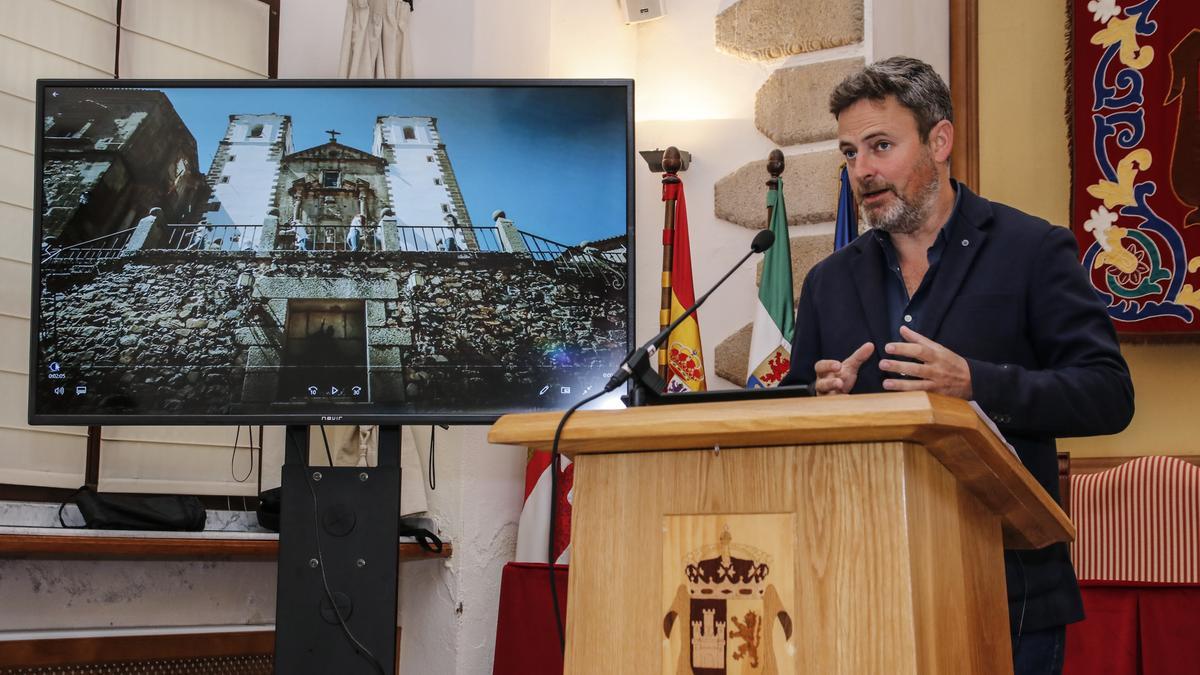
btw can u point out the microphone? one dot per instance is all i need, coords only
(762, 241)
(638, 363)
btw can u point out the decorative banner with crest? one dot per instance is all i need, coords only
(728, 594)
(1135, 129)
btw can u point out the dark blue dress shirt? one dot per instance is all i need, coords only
(904, 310)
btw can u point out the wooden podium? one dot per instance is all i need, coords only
(843, 534)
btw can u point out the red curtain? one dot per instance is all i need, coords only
(1136, 630)
(526, 635)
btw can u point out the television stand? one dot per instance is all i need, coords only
(338, 533)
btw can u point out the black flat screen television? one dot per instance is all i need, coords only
(301, 252)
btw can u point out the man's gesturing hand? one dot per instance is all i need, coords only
(838, 377)
(939, 370)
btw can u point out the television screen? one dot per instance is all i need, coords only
(297, 252)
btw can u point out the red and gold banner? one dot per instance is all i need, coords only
(685, 360)
(1136, 159)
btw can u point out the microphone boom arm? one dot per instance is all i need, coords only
(638, 363)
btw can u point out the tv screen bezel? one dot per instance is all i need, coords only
(305, 418)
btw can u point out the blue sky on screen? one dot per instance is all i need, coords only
(553, 158)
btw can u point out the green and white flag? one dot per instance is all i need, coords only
(771, 343)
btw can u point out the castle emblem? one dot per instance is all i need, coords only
(725, 612)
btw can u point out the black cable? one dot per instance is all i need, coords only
(258, 487)
(232, 458)
(1024, 597)
(432, 466)
(550, 557)
(328, 455)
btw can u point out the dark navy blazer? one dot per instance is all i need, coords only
(1011, 298)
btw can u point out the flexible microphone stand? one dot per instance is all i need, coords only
(638, 365)
(645, 379)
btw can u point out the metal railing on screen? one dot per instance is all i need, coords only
(331, 238)
(213, 237)
(584, 260)
(448, 239)
(100, 248)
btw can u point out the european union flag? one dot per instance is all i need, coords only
(846, 228)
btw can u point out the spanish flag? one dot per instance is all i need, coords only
(684, 357)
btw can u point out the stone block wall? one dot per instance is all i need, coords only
(792, 105)
(764, 30)
(810, 190)
(791, 109)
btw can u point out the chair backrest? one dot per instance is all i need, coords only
(1138, 522)
(1064, 481)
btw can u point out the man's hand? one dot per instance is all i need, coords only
(938, 369)
(838, 377)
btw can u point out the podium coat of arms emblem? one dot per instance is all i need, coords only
(727, 614)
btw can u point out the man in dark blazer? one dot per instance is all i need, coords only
(951, 293)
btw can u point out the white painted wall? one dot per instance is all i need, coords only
(919, 28)
(98, 595)
(310, 37)
(448, 609)
(588, 38)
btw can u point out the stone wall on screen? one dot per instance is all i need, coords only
(211, 332)
(108, 157)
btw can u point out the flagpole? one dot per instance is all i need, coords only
(671, 164)
(775, 167)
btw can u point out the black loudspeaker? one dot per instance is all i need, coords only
(338, 557)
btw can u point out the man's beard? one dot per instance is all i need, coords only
(904, 216)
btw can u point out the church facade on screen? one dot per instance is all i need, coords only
(405, 181)
(287, 279)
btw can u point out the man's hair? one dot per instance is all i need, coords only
(914, 83)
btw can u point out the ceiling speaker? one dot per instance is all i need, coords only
(637, 11)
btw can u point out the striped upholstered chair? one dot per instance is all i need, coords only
(1137, 556)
